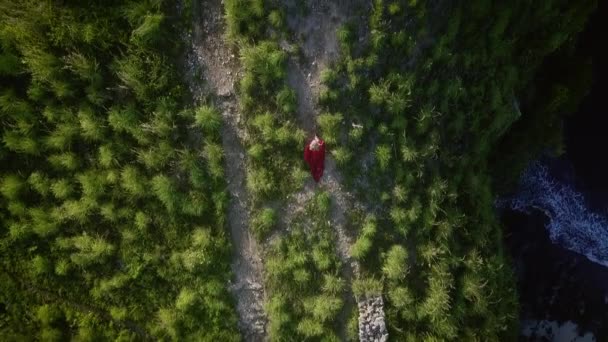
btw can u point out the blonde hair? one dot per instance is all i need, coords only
(315, 144)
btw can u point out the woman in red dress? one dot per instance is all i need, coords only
(314, 155)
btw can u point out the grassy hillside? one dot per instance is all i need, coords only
(304, 287)
(112, 190)
(112, 206)
(422, 109)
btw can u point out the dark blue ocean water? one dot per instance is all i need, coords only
(558, 233)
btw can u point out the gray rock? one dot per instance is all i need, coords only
(224, 92)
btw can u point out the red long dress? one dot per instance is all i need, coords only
(315, 159)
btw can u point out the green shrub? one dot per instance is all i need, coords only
(361, 247)
(265, 124)
(62, 189)
(327, 96)
(379, 93)
(383, 156)
(399, 193)
(256, 152)
(11, 186)
(395, 265)
(133, 181)
(67, 160)
(42, 65)
(91, 184)
(367, 287)
(342, 155)
(324, 307)
(260, 182)
(437, 301)
(108, 212)
(265, 62)
(141, 220)
(328, 77)
(186, 299)
(39, 182)
(194, 204)
(208, 118)
(106, 156)
(275, 18)
(149, 31)
(394, 8)
(87, 250)
(286, 100)
(402, 299)
(244, 18)
(165, 191)
(330, 126)
(123, 119)
(91, 127)
(345, 37)
(214, 155)
(332, 284)
(62, 267)
(408, 153)
(284, 134)
(299, 177)
(21, 144)
(263, 223)
(84, 67)
(61, 138)
(322, 203)
(156, 157)
(310, 328)
(378, 40)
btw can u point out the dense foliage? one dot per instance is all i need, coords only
(303, 276)
(274, 142)
(112, 189)
(425, 126)
(113, 197)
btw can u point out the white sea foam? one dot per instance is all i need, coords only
(571, 223)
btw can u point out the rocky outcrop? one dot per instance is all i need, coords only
(372, 326)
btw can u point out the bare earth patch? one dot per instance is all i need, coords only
(217, 64)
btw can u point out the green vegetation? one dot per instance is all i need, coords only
(429, 124)
(274, 143)
(303, 277)
(304, 289)
(562, 82)
(112, 189)
(263, 223)
(112, 222)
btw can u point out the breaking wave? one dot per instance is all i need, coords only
(572, 224)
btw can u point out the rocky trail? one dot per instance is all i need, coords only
(215, 62)
(319, 47)
(219, 66)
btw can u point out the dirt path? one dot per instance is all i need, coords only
(319, 45)
(219, 67)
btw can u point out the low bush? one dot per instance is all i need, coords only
(263, 222)
(305, 259)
